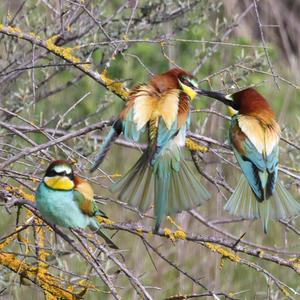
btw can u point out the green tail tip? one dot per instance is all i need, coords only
(94, 167)
(265, 226)
(157, 226)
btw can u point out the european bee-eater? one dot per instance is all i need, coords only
(254, 135)
(162, 109)
(67, 200)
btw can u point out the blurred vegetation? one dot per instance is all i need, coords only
(157, 37)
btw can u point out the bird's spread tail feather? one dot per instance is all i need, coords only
(95, 226)
(177, 188)
(243, 203)
(161, 200)
(137, 186)
(112, 135)
(169, 183)
(186, 192)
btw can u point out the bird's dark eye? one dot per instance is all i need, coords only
(189, 82)
(184, 81)
(51, 173)
(71, 176)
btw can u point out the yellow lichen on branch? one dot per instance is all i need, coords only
(7, 241)
(42, 254)
(47, 282)
(15, 30)
(65, 53)
(114, 86)
(180, 234)
(295, 262)
(49, 296)
(107, 221)
(173, 236)
(193, 146)
(225, 253)
(139, 231)
(168, 233)
(174, 223)
(18, 191)
(43, 279)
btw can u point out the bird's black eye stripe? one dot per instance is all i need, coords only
(51, 173)
(187, 82)
(184, 81)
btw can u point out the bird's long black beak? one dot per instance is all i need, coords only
(226, 99)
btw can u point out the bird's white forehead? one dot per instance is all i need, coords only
(62, 168)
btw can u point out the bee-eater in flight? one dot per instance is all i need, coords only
(160, 108)
(254, 136)
(67, 200)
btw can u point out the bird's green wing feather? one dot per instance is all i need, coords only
(130, 128)
(87, 207)
(94, 211)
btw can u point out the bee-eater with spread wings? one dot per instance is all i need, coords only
(254, 136)
(162, 109)
(67, 200)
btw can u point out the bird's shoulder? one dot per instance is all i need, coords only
(84, 196)
(84, 187)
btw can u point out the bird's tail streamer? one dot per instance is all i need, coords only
(137, 186)
(95, 226)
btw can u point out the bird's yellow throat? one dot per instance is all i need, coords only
(189, 91)
(59, 183)
(231, 111)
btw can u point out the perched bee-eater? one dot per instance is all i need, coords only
(160, 108)
(67, 200)
(254, 135)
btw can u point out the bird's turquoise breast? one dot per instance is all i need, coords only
(58, 207)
